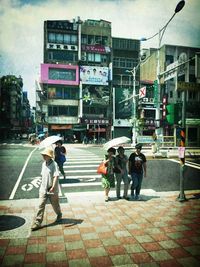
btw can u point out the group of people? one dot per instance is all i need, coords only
(119, 168)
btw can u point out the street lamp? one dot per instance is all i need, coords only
(160, 34)
(133, 72)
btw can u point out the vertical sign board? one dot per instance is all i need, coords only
(155, 84)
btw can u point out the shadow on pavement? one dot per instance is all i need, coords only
(68, 222)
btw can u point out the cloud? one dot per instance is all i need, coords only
(21, 33)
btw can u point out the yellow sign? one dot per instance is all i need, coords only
(188, 86)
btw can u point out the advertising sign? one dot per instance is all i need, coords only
(123, 103)
(94, 75)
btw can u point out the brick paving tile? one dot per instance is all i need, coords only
(13, 260)
(76, 254)
(160, 255)
(68, 238)
(105, 235)
(80, 263)
(185, 242)
(127, 240)
(160, 237)
(4, 242)
(115, 250)
(141, 257)
(74, 245)
(35, 258)
(134, 248)
(153, 246)
(53, 232)
(92, 243)
(37, 240)
(96, 252)
(36, 248)
(189, 262)
(170, 263)
(178, 253)
(121, 260)
(190, 233)
(167, 244)
(193, 250)
(104, 261)
(87, 230)
(56, 256)
(15, 250)
(54, 264)
(53, 247)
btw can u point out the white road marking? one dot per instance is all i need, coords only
(187, 164)
(21, 175)
(83, 176)
(81, 184)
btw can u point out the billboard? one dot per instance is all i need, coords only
(123, 103)
(94, 75)
(59, 74)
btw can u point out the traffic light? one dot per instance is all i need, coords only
(173, 113)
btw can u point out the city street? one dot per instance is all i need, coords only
(21, 165)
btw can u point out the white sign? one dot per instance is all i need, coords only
(171, 72)
(142, 92)
(181, 152)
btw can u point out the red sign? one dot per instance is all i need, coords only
(96, 48)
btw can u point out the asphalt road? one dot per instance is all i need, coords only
(20, 168)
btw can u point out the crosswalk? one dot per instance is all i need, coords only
(81, 172)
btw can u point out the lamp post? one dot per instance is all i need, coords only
(160, 34)
(133, 72)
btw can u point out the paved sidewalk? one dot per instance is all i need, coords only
(158, 231)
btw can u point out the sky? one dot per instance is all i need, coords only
(21, 30)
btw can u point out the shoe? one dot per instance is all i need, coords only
(126, 198)
(137, 197)
(35, 226)
(133, 197)
(59, 218)
(106, 199)
(119, 197)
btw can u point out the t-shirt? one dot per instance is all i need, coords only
(58, 151)
(137, 162)
(49, 170)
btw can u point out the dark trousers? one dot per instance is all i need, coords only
(136, 183)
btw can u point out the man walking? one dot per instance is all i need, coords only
(137, 168)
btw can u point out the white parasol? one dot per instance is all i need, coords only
(49, 141)
(116, 142)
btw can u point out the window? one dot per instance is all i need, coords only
(74, 39)
(63, 111)
(91, 39)
(171, 94)
(51, 37)
(84, 39)
(59, 38)
(66, 39)
(62, 74)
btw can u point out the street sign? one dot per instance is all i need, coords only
(171, 71)
(142, 92)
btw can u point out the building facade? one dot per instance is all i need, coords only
(73, 94)
(125, 56)
(15, 116)
(179, 86)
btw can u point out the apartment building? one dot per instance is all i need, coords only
(73, 94)
(179, 85)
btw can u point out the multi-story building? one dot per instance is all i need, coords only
(125, 56)
(73, 93)
(14, 107)
(179, 84)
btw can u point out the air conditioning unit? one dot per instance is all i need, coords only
(84, 56)
(65, 47)
(51, 46)
(145, 99)
(151, 100)
(73, 47)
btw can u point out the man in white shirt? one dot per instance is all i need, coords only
(48, 188)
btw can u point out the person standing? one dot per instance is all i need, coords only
(137, 168)
(48, 189)
(122, 175)
(60, 158)
(108, 180)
